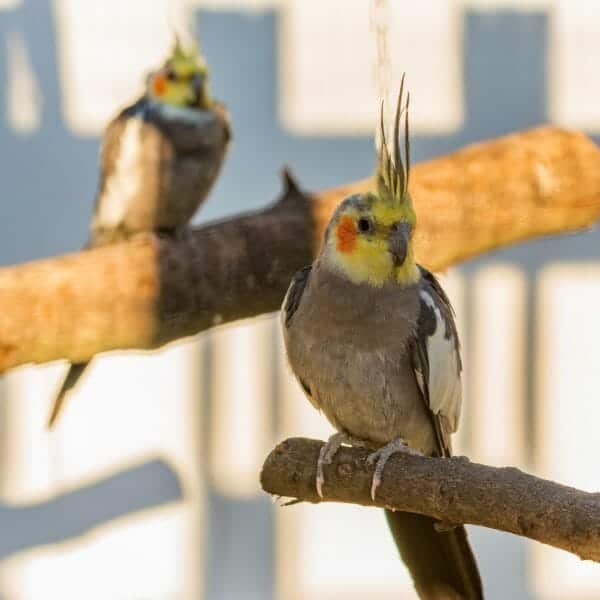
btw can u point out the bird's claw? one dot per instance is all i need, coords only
(320, 475)
(326, 455)
(291, 502)
(381, 456)
(328, 451)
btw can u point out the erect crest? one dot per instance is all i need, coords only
(392, 174)
(189, 57)
(178, 51)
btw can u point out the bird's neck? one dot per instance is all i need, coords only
(345, 300)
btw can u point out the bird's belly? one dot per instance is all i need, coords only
(371, 394)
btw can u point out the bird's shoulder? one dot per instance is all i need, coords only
(436, 314)
(289, 307)
(115, 130)
(294, 294)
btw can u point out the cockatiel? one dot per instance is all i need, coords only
(161, 155)
(159, 159)
(370, 336)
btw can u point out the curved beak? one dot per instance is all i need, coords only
(398, 243)
(198, 89)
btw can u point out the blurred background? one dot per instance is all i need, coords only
(148, 488)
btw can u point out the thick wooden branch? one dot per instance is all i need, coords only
(453, 490)
(147, 292)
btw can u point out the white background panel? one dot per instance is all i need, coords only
(569, 412)
(129, 409)
(9, 4)
(242, 5)
(22, 92)
(138, 558)
(328, 57)
(99, 72)
(573, 59)
(497, 370)
(241, 419)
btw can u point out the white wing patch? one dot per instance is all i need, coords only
(445, 389)
(420, 380)
(124, 183)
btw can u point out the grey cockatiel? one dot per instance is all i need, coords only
(159, 160)
(370, 336)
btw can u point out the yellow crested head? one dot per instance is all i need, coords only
(369, 237)
(183, 80)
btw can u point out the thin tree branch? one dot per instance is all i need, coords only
(453, 490)
(148, 292)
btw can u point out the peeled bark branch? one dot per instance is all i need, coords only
(453, 490)
(147, 292)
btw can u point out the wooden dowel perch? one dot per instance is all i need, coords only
(147, 292)
(453, 490)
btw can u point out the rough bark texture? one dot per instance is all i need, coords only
(453, 490)
(147, 292)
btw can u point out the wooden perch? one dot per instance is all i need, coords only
(453, 490)
(147, 292)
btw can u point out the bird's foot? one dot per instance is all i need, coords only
(328, 451)
(381, 456)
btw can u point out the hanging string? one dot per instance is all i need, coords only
(182, 24)
(379, 19)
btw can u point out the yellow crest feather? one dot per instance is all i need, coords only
(392, 175)
(187, 60)
(177, 48)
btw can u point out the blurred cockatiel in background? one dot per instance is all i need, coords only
(370, 336)
(160, 157)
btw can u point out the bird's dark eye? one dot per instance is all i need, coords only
(364, 225)
(170, 74)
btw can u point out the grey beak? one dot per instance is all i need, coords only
(198, 87)
(398, 242)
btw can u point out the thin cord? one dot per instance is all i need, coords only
(181, 21)
(379, 18)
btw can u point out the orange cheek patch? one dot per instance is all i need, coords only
(346, 235)
(159, 85)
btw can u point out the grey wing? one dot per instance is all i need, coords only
(436, 360)
(290, 305)
(192, 148)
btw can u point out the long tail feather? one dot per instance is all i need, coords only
(73, 375)
(441, 564)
